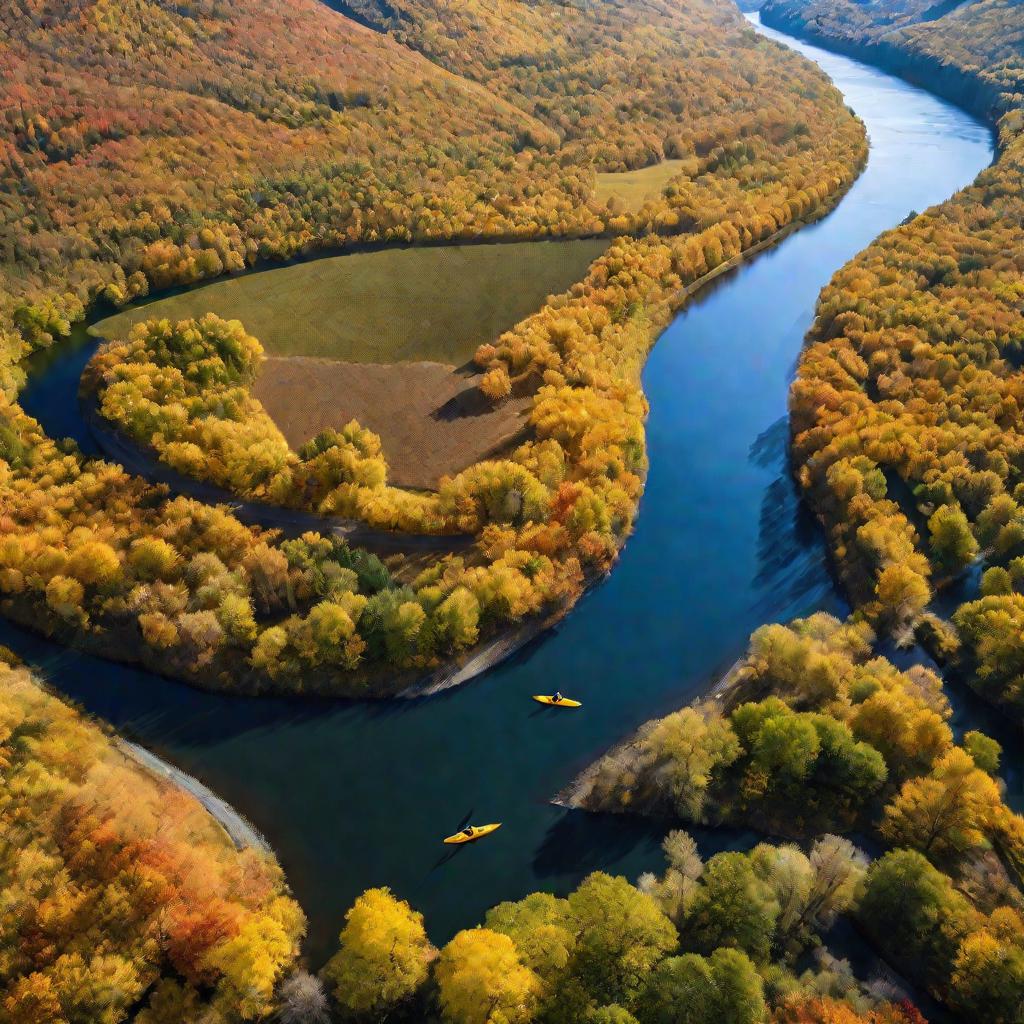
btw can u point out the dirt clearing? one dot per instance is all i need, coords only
(431, 418)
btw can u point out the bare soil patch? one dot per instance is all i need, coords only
(431, 418)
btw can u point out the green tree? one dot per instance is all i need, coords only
(952, 542)
(610, 1015)
(785, 749)
(733, 908)
(543, 928)
(847, 773)
(985, 751)
(912, 910)
(621, 935)
(722, 988)
(457, 618)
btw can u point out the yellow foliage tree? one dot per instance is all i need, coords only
(384, 956)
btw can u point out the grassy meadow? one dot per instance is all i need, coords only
(396, 305)
(632, 188)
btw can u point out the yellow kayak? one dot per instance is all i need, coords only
(473, 832)
(563, 702)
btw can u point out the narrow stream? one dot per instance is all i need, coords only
(355, 795)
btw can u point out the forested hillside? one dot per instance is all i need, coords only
(275, 129)
(968, 51)
(353, 137)
(621, 85)
(281, 128)
(157, 149)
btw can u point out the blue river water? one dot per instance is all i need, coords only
(356, 795)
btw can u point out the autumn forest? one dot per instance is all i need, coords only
(608, 162)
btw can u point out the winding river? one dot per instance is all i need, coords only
(354, 795)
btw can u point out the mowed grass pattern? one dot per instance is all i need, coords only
(633, 187)
(436, 304)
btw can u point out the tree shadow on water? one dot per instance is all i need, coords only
(150, 708)
(580, 842)
(792, 567)
(792, 561)
(768, 449)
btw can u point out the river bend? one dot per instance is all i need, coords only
(355, 795)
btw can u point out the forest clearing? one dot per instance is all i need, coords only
(424, 304)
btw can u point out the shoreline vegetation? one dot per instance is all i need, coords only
(725, 693)
(242, 833)
(476, 659)
(911, 469)
(974, 93)
(223, 948)
(141, 460)
(813, 731)
(124, 893)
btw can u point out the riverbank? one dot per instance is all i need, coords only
(728, 692)
(730, 689)
(957, 85)
(371, 681)
(239, 831)
(981, 225)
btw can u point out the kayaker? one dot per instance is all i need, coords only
(557, 699)
(468, 830)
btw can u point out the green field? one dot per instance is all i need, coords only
(633, 187)
(435, 304)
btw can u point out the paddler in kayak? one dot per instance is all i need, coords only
(473, 832)
(556, 700)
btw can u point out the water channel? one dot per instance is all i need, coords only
(356, 795)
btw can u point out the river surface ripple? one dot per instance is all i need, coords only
(355, 795)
